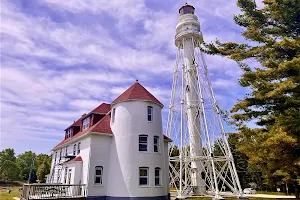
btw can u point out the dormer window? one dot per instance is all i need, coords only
(86, 123)
(69, 133)
(150, 113)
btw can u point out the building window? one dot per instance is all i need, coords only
(86, 123)
(69, 133)
(143, 140)
(78, 148)
(156, 143)
(74, 149)
(143, 176)
(55, 157)
(69, 176)
(66, 174)
(113, 115)
(60, 154)
(58, 176)
(157, 177)
(98, 175)
(66, 150)
(150, 113)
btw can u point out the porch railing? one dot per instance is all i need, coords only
(53, 191)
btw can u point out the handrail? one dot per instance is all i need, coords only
(53, 191)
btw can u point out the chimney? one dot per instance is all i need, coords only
(84, 114)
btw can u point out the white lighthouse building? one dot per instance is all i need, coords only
(118, 150)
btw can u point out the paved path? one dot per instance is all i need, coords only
(271, 196)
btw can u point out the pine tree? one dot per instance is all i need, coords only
(273, 33)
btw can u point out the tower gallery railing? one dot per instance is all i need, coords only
(53, 191)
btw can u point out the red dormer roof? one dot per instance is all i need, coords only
(103, 126)
(103, 108)
(76, 123)
(137, 92)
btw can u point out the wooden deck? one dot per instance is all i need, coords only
(53, 191)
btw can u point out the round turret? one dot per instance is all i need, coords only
(140, 151)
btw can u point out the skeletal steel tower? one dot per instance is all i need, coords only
(205, 164)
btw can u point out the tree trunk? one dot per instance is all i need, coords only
(297, 191)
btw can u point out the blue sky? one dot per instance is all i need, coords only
(60, 59)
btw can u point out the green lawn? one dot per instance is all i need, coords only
(233, 198)
(273, 193)
(4, 195)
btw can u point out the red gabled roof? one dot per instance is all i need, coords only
(102, 126)
(136, 92)
(76, 159)
(103, 108)
(76, 123)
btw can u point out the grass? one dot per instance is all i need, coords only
(4, 195)
(233, 198)
(273, 193)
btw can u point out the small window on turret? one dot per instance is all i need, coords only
(157, 177)
(143, 143)
(143, 176)
(156, 143)
(113, 115)
(150, 113)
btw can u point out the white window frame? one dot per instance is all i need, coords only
(74, 150)
(113, 115)
(69, 176)
(58, 176)
(86, 123)
(66, 174)
(60, 154)
(55, 157)
(98, 176)
(147, 169)
(78, 148)
(143, 143)
(66, 151)
(157, 177)
(156, 144)
(150, 114)
(69, 133)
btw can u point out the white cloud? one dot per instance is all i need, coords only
(84, 104)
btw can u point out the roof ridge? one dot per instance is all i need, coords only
(137, 92)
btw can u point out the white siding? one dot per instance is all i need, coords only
(82, 174)
(100, 154)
